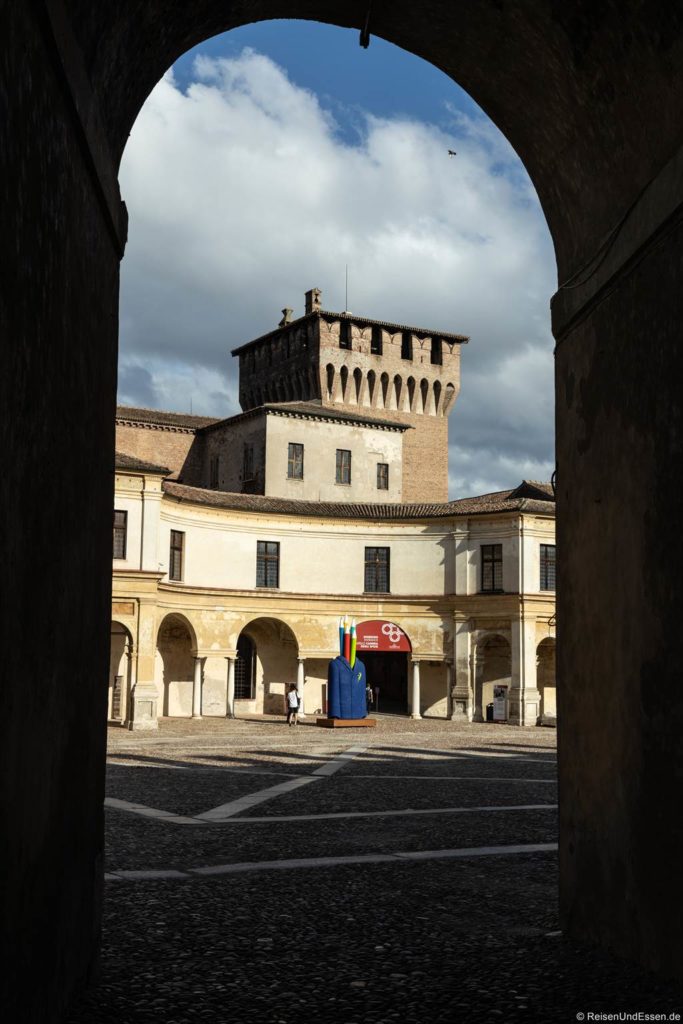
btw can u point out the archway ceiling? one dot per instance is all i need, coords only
(577, 87)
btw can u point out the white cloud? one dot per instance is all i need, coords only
(242, 195)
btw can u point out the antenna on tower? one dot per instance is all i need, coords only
(346, 299)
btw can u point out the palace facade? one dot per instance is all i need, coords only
(239, 542)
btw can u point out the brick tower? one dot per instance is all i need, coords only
(382, 370)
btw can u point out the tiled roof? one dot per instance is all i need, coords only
(318, 314)
(499, 501)
(311, 410)
(129, 462)
(160, 418)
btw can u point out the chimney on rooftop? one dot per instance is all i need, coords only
(286, 317)
(313, 300)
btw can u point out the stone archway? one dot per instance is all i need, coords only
(545, 674)
(120, 672)
(602, 146)
(269, 653)
(175, 666)
(493, 668)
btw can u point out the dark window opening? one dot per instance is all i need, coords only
(343, 466)
(436, 357)
(376, 341)
(267, 563)
(248, 462)
(244, 669)
(382, 476)
(345, 334)
(376, 571)
(295, 462)
(406, 345)
(214, 471)
(492, 568)
(547, 566)
(175, 566)
(120, 534)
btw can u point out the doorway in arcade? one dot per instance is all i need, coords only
(384, 647)
(389, 672)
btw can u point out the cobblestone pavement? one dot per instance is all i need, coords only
(261, 873)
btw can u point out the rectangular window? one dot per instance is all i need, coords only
(343, 466)
(214, 471)
(267, 563)
(248, 462)
(120, 534)
(436, 357)
(491, 568)
(547, 566)
(382, 476)
(406, 345)
(175, 561)
(295, 462)
(377, 570)
(345, 334)
(376, 341)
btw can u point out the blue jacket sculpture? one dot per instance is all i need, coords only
(346, 689)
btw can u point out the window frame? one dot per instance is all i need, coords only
(214, 472)
(490, 555)
(545, 564)
(117, 530)
(340, 468)
(265, 558)
(374, 566)
(407, 345)
(382, 478)
(247, 461)
(292, 460)
(376, 340)
(176, 556)
(345, 334)
(436, 353)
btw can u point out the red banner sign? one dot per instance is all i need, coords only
(378, 635)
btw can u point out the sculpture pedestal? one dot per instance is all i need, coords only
(346, 723)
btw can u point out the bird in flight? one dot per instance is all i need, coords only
(451, 152)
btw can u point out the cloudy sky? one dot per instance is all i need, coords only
(270, 158)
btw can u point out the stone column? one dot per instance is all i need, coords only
(449, 689)
(477, 691)
(143, 709)
(524, 698)
(197, 688)
(462, 691)
(415, 692)
(230, 695)
(300, 679)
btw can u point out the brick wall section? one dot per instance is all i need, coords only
(180, 450)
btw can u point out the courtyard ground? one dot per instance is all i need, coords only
(261, 873)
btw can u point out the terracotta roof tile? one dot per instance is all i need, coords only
(129, 462)
(161, 418)
(310, 410)
(499, 501)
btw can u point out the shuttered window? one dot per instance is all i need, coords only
(382, 476)
(120, 534)
(295, 462)
(175, 561)
(343, 466)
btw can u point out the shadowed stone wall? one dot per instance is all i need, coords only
(590, 95)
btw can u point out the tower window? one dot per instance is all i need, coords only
(436, 358)
(376, 341)
(295, 462)
(406, 345)
(120, 534)
(547, 581)
(343, 466)
(267, 563)
(214, 465)
(491, 568)
(248, 462)
(345, 334)
(382, 476)
(376, 571)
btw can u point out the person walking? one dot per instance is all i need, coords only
(292, 705)
(369, 697)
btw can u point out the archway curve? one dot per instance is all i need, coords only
(493, 665)
(120, 668)
(176, 650)
(273, 648)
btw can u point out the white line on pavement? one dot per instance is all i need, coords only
(326, 862)
(228, 810)
(149, 812)
(409, 812)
